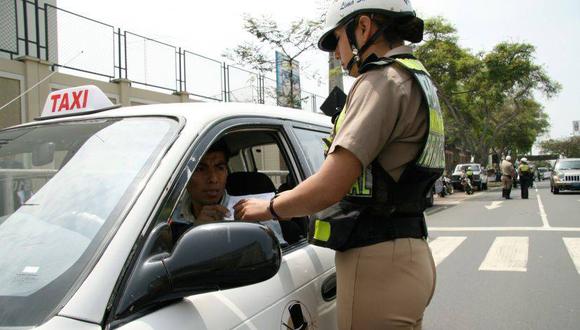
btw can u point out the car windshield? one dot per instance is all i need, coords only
(63, 187)
(461, 168)
(568, 165)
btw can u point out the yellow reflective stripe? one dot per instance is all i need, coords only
(412, 64)
(436, 121)
(340, 120)
(359, 187)
(330, 139)
(322, 230)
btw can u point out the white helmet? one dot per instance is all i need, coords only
(524, 160)
(508, 158)
(341, 11)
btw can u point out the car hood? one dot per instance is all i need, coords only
(474, 173)
(570, 172)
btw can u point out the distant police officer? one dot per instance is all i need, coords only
(469, 174)
(507, 174)
(384, 154)
(526, 177)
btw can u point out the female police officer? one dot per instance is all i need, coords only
(385, 153)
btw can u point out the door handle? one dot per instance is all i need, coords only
(329, 288)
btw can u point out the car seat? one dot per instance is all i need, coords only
(251, 183)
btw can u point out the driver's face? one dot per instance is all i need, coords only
(208, 182)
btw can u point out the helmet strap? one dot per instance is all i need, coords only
(350, 28)
(357, 52)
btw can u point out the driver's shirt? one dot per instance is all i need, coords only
(183, 218)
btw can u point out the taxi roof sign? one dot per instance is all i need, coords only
(75, 100)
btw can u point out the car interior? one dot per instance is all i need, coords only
(260, 163)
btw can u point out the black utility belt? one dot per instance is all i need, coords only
(373, 231)
(347, 231)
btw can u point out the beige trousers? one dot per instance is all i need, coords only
(506, 182)
(384, 286)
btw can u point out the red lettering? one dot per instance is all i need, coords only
(54, 98)
(64, 103)
(85, 98)
(76, 99)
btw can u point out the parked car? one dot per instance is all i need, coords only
(479, 176)
(543, 173)
(86, 230)
(566, 175)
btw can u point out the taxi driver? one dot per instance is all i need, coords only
(206, 198)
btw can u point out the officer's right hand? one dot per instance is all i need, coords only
(211, 213)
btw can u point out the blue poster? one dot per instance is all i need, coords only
(287, 82)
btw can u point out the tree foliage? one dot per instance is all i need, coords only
(293, 41)
(488, 99)
(568, 147)
(258, 55)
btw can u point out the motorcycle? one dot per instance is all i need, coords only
(466, 184)
(448, 185)
(443, 186)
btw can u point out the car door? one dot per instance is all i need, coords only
(301, 295)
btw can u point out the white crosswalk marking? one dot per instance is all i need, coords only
(507, 254)
(573, 246)
(442, 247)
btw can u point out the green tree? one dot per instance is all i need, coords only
(488, 98)
(568, 147)
(293, 42)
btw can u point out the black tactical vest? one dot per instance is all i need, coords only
(378, 208)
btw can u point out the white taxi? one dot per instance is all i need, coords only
(87, 195)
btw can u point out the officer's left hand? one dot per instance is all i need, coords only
(252, 210)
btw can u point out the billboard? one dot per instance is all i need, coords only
(287, 81)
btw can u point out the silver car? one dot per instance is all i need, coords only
(566, 175)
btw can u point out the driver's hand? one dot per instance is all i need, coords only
(212, 213)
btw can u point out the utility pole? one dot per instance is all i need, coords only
(334, 73)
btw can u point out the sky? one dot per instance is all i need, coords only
(210, 27)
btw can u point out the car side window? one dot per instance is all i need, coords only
(259, 164)
(313, 145)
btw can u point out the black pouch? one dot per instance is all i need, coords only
(332, 228)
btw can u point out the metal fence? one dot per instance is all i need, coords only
(9, 27)
(150, 62)
(79, 43)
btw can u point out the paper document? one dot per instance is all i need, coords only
(233, 200)
(272, 224)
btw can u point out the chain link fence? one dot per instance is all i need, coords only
(8, 27)
(242, 85)
(150, 62)
(203, 76)
(80, 43)
(269, 87)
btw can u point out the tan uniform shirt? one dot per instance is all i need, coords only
(384, 118)
(507, 168)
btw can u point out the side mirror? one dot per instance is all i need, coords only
(43, 154)
(206, 258)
